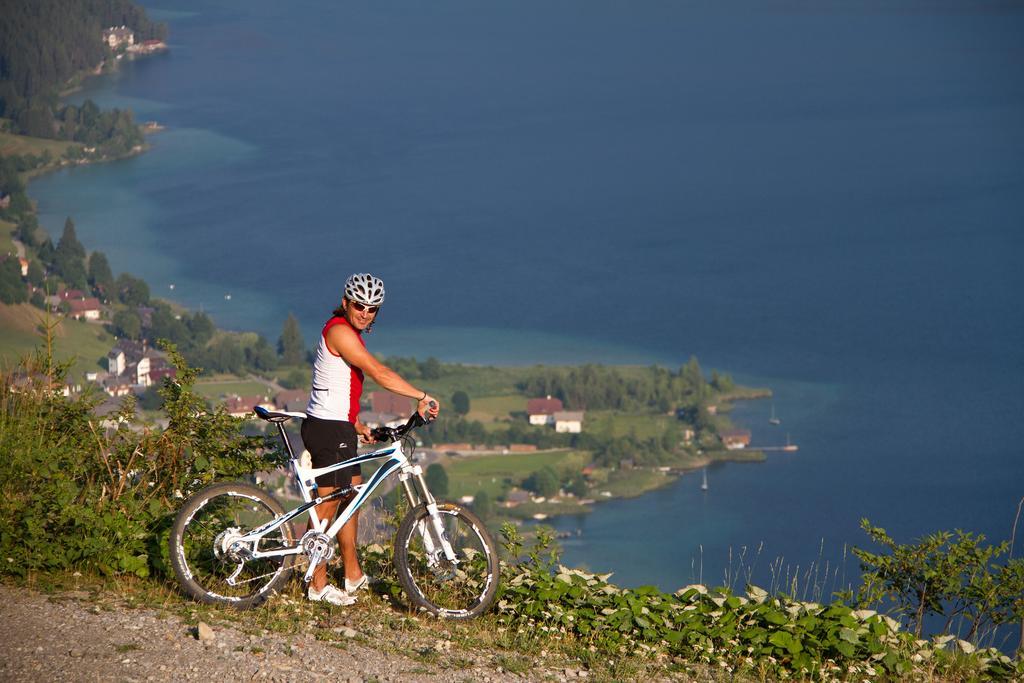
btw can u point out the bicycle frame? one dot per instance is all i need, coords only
(398, 461)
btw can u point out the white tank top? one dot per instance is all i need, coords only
(337, 386)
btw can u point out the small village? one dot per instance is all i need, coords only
(121, 40)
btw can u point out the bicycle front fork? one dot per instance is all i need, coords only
(438, 538)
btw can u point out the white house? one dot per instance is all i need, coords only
(117, 386)
(89, 309)
(118, 35)
(116, 362)
(142, 372)
(569, 421)
(542, 410)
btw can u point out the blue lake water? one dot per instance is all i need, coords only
(824, 198)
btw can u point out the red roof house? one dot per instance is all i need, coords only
(89, 309)
(542, 410)
(391, 404)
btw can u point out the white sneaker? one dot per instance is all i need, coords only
(352, 586)
(331, 594)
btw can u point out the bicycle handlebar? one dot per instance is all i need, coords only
(390, 434)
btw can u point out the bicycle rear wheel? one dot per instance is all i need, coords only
(204, 528)
(462, 589)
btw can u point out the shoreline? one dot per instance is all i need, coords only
(668, 475)
(632, 485)
(76, 84)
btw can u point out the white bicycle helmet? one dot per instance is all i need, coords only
(365, 289)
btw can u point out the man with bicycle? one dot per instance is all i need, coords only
(332, 430)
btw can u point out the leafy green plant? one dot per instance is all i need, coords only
(77, 491)
(955, 575)
(756, 634)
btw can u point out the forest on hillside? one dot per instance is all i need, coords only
(45, 43)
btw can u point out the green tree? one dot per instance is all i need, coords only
(150, 399)
(164, 325)
(483, 506)
(953, 575)
(291, 346)
(430, 368)
(201, 328)
(723, 383)
(295, 379)
(260, 355)
(460, 402)
(543, 482)
(437, 480)
(578, 486)
(69, 240)
(26, 230)
(69, 258)
(226, 355)
(131, 290)
(12, 289)
(36, 275)
(101, 279)
(46, 252)
(37, 121)
(693, 377)
(127, 324)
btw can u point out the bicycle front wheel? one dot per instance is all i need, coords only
(208, 567)
(459, 589)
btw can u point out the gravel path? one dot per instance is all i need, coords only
(74, 636)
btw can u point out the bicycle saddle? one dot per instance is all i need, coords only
(276, 416)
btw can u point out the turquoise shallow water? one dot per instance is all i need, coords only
(825, 200)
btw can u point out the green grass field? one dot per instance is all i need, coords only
(630, 483)
(467, 475)
(22, 144)
(611, 424)
(495, 408)
(86, 343)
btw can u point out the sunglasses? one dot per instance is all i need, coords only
(363, 307)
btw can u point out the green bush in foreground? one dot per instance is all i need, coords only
(955, 576)
(758, 633)
(77, 491)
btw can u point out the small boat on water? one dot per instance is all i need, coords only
(774, 420)
(789, 447)
(704, 481)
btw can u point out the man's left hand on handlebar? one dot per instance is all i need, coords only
(428, 407)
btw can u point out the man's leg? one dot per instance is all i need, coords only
(323, 511)
(347, 537)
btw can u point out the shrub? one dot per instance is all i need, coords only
(952, 575)
(78, 492)
(758, 635)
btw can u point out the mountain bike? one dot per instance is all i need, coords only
(233, 543)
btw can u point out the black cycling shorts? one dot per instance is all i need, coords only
(330, 442)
